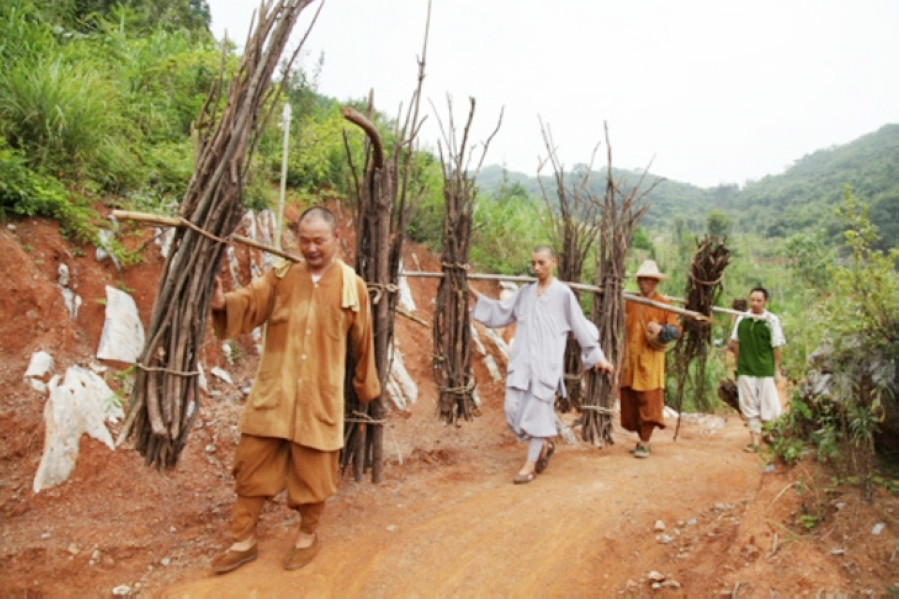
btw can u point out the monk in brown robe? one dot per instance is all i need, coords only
(292, 424)
(643, 379)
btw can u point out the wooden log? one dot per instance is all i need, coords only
(630, 297)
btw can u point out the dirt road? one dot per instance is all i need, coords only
(459, 528)
(445, 521)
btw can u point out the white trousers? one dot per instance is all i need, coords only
(759, 400)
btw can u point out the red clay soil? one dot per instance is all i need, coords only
(445, 522)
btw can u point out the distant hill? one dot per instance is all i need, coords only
(803, 197)
(808, 192)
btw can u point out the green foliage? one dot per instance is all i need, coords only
(137, 15)
(426, 217)
(62, 113)
(107, 106)
(810, 256)
(804, 196)
(505, 231)
(641, 241)
(860, 317)
(717, 224)
(24, 192)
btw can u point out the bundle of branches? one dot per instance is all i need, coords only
(573, 226)
(620, 215)
(164, 401)
(727, 392)
(383, 200)
(703, 287)
(451, 363)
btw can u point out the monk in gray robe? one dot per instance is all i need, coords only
(544, 312)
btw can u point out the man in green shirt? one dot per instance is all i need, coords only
(756, 341)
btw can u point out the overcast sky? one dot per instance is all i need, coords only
(711, 91)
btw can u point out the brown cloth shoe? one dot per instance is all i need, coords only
(231, 560)
(298, 557)
(548, 450)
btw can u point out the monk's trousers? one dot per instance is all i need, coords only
(265, 466)
(641, 411)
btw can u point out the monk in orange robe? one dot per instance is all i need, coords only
(292, 425)
(643, 379)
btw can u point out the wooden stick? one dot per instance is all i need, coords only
(410, 316)
(168, 221)
(579, 286)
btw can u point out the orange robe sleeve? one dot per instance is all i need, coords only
(365, 379)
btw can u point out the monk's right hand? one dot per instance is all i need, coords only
(218, 295)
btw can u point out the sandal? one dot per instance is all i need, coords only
(543, 462)
(521, 479)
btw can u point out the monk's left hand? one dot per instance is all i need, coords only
(604, 366)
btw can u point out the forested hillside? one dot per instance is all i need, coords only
(806, 195)
(802, 198)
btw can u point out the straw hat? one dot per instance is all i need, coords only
(650, 270)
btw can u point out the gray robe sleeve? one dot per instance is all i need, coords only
(495, 313)
(585, 332)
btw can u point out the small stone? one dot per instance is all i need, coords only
(878, 528)
(73, 549)
(664, 539)
(45, 536)
(656, 586)
(838, 551)
(11, 226)
(210, 448)
(659, 526)
(656, 576)
(123, 590)
(165, 561)
(392, 528)
(670, 583)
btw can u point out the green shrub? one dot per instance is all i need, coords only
(24, 192)
(859, 316)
